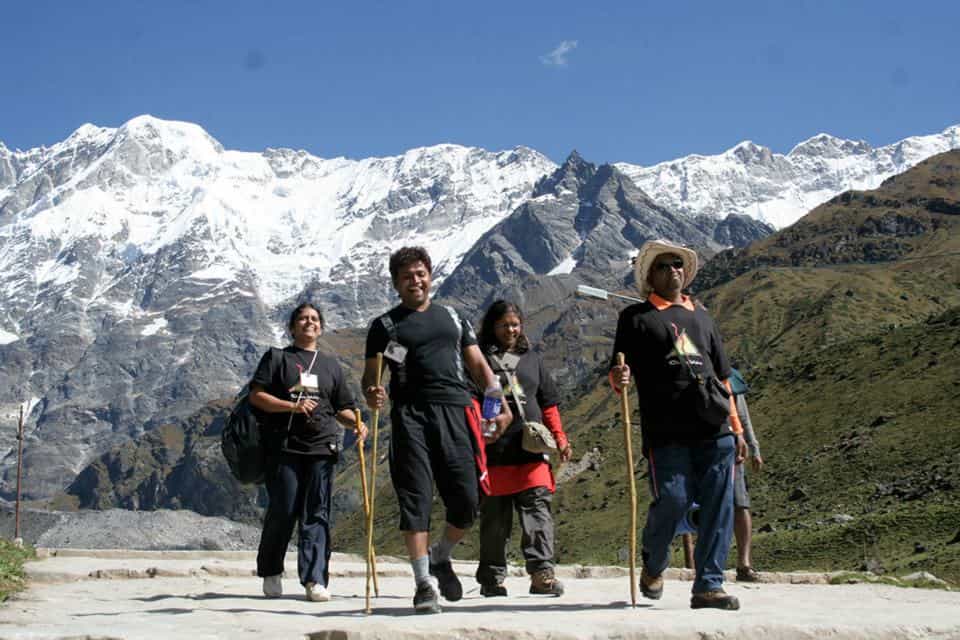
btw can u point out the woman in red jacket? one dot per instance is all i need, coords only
(519, 480)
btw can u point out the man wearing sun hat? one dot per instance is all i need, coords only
(669, 341)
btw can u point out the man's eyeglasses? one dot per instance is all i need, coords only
(667, 266)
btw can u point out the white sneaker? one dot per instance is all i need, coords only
(272, 586)
(317, 592)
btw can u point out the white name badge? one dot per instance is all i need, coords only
(309, 381)
(395, 351)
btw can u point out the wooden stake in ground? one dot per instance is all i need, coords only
(373, 475)
(625, 411)
(16, 517)
(688, 551)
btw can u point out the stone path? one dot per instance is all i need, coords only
(103, 594)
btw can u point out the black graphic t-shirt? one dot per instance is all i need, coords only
(534, 386)
(432, 370)
(324, 384)
(655, 344)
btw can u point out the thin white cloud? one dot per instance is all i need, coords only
(558, 57)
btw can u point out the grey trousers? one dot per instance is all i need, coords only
(496, 524)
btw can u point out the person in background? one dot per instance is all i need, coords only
(742, 521)
(435, 426)
(691, 459)
(519, 480)
(304, 395)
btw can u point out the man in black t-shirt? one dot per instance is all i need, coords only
(667, 340)
(435, 433)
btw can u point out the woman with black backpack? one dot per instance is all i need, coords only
(519, 480)
(304, 396)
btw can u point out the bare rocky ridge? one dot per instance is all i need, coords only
(127, 529)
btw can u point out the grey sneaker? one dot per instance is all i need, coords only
(427, 598)
(273, 586)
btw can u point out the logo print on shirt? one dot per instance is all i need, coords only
(683, 347)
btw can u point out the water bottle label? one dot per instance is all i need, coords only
(491, 407)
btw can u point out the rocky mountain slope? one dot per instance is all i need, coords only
(169, 262)
(144, 269)
(582, 220)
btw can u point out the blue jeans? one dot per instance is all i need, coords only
(701, 472)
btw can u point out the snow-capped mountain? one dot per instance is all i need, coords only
(779, 189)
(276, 222)
(144, 268)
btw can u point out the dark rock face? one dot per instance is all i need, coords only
(175, 466)
(582, 219)
(739, 230)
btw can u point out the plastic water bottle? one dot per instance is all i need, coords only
(492, 401)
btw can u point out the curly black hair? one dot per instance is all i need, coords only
(408, 255)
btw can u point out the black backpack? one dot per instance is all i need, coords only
(241, 441)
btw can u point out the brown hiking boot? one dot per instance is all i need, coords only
(545, 583)
(747, 574)
(716, 599)
(651, 586)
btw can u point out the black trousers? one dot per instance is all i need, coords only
(433, 443)
(300, 488)
(496, 523)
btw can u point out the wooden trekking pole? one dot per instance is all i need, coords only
(371, 554)
(625, 411)
(366, 503)
(373, 476)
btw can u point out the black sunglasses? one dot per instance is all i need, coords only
(666, 266)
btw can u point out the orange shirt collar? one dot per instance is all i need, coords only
(662, 304)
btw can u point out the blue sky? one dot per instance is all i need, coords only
(618, 81)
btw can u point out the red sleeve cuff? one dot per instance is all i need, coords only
(551, 419)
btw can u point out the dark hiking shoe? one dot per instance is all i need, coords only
(651, 586)
(545, 583)
(450, 586)
(493, 589)
(427, 598)
(747, 574)
(717, 599)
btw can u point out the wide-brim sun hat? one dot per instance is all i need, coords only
(649, 252)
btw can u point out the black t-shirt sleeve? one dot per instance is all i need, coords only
(377, 339)
(627, 338)
(468, 337)
(547, 394)
(264, 373)
(341, 398)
